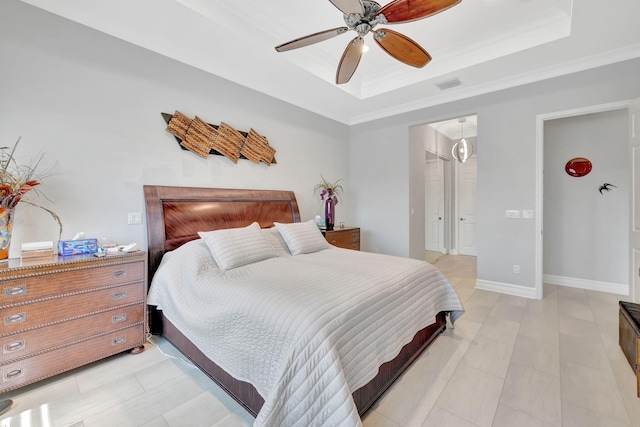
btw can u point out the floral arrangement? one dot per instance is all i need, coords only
(328, 189)
(17, 180)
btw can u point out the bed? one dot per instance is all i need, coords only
(175, 216)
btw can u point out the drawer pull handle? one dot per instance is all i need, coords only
(15, 318)
(13, 374)
(119, 318)
(119, 296)
(120, 274)
(119, 340)
(14, 292)
(14, 346)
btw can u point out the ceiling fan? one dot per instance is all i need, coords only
(362, 16)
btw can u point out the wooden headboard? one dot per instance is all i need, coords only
(176, 214)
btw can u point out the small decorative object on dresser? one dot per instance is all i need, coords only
(15, 181)
(75, 310)
(331, 191)
(347, 237)
(37, 251)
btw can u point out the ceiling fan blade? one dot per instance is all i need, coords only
(311, 39)
(402, 48)
(411, 10)
(349, 6)
(350, 60)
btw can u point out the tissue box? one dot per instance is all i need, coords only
(75, 247)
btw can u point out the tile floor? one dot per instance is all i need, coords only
(508, 362)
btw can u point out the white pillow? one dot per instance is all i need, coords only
(233, 247)
(302, 237)
(275, 238)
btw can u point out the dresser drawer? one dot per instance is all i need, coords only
(41, 313)
(348, 238)
(67, 282)
(23, 344)
(352, 246)
(31, 369)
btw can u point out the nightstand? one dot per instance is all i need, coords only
(347, 237)
(67, 312)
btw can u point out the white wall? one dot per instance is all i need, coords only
(506, 165)
(586, 233)
(92, 103)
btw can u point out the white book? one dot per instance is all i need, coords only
(37, 246)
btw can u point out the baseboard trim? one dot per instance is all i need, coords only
(591, 285)
(507, 288)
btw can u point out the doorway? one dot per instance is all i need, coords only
(547, 215)
(450, 188)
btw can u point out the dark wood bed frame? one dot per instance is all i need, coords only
(175, 215)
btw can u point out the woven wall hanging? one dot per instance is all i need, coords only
(205, 139)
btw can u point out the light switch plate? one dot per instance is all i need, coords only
(134, 218)
(527, 214)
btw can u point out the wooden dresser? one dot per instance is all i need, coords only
(347, 237)
(63, 314)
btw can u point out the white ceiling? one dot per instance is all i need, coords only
(487, 44)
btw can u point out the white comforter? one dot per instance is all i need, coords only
(305, 330)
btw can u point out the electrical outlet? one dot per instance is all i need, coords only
(516, 269)
(134, 218)
(512, 214)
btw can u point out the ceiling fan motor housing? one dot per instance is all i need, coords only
(357, 22)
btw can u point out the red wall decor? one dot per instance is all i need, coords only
(578, 166)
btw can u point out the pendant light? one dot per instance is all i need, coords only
(462, 149)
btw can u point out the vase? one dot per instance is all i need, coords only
(6, 226)
(329, 212)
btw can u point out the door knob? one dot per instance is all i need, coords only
(462, 219)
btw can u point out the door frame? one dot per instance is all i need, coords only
(539, 162)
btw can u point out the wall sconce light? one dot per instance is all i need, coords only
(462, 149)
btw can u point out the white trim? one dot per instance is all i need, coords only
(591, 285)
(599, 59)
(456, 224)
(539, 209)
(507, 288)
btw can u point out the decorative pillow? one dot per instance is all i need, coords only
(234, 247)
(302, 237)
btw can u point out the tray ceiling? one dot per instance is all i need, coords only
(486, 45)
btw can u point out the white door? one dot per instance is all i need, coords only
(467, 178)
(634, 238)
(434, 204)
